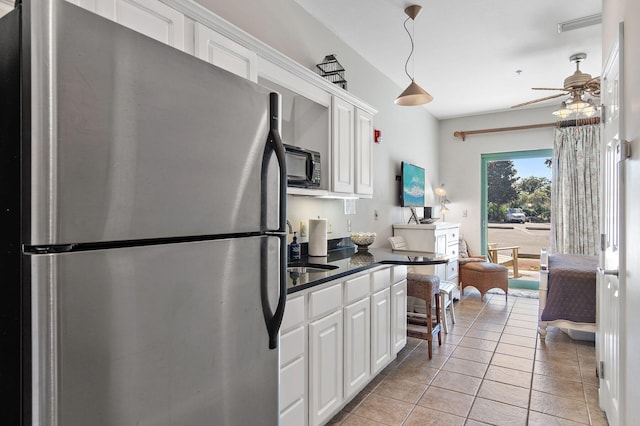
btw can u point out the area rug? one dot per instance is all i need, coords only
(517, 292)
(520, 284)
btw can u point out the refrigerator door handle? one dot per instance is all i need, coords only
(274, 145)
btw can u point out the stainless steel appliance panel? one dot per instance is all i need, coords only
(155, 335)
(146, 141)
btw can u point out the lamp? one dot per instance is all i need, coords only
(442, 193)
(413, 94)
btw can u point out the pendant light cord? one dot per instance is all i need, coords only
(406, 64)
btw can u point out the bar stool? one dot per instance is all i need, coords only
(446, 287)
(427, 288)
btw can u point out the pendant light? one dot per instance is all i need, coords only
(413, 94)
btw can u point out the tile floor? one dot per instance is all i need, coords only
(491, 369)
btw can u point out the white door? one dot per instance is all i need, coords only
(611, 276)
(342, 146)
(357, 349)
(398, 316)
(380, 330)
(364, 152)
(325, 364)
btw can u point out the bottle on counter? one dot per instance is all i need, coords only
(294, 248)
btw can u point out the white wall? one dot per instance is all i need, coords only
(460, 161)
(409, 133)
(615, 11)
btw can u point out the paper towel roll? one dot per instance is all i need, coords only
(317, 237)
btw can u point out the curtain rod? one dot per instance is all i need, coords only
(565, 123)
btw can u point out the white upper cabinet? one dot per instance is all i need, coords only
(364, 152)
(217, 49)
(352, 149)
(342, 152)
(149, 17)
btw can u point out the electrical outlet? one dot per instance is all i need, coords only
(464, 213)
(375, 215)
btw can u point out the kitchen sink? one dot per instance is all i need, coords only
(311, 268)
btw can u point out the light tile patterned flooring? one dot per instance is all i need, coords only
(491, 369)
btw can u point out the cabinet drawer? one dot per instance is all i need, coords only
(291, 345)
(398, 273)
(380, 280)
(453, 235)
(325, 300)
(452, 271)
(357, 288)
(293, 313)
(453, 251)
(291, 383)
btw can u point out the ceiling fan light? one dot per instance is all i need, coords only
(413, 95)
(562, 112)
(577, 105)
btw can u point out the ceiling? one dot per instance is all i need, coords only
(468, 52)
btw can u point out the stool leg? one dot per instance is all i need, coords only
(453, 312)
(438, 320)
(443, 306)
(429, 330)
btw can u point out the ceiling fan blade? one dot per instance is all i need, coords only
(592, 87)
(539, 100)
(547, 88)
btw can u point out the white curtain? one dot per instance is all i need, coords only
(575, 201)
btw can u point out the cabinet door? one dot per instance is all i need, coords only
(342, 152)
(217, 49)
(357, 350)
(364, 152)
(100, 7)
(292, 393)
(398, 316)
(380, 330)
(149, 17)
(325, 367)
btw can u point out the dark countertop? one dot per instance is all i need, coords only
(349, 261)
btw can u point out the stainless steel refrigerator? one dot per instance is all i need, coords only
(143, 218)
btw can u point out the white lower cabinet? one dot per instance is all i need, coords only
(325, 363)
(357, 346)
(380, 330)
(335, 338)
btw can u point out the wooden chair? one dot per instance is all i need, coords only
(475, 271)
(504, 259)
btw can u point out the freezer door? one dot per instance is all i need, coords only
(157, 335)
(146, 141)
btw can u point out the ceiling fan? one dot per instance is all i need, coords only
(575, 86)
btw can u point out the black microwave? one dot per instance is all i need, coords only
(303, 167)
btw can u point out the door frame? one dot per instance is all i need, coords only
(484, 190)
